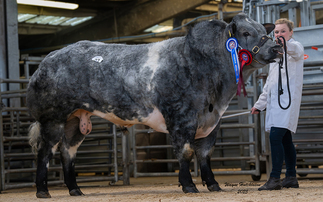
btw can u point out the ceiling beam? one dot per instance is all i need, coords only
(152, 13)
(34, 29)
(213, 7)
(129, 21)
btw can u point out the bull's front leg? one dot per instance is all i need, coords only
(203, 149)
(182, 142)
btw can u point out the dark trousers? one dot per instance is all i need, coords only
(282, 148)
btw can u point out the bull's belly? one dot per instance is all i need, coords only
(154, 120)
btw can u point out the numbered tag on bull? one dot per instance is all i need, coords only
(232, 46)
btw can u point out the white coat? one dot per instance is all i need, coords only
(275, 116)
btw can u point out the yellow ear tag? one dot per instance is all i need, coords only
(229, 33)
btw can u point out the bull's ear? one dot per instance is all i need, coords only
(232, 28)
(269, 27)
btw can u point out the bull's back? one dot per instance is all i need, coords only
(77, 74)
(101, 76)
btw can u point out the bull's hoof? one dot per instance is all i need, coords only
(214, 187)
(43, 194)
(192, 189)
(76, 192)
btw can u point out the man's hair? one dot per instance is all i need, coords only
(289, 23)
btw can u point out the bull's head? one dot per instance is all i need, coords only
(252, 36)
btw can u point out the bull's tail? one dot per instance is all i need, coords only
(34, 135)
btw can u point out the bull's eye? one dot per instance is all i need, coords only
(246, 34)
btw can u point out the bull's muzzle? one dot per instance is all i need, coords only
(277, 49)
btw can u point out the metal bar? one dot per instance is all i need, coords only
(238, 172)
(233, 158)
(234, 115)
(234, 143)
(212, 159)
(2, 167)
(14, 80)
(57, 168)
(307, 140)
(230, 126)
(14, 109)
(312, 155)
(135, 171)
(196, 173)
(125, 159)
(115, 153)
(14, 91)
(307, 171)
(269, 3)
(157, 161)
(164, 174)
(78, 152)
(154, 147)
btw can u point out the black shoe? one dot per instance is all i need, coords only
(272, 184)
(290, 182)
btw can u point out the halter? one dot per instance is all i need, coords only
(256, 48)
(262, 41)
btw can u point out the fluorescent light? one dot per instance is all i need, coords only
(24, 17)
(53, 4)
(159, 28)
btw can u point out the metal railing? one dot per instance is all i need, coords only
(103, 152)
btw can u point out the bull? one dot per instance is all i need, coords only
(181, 86)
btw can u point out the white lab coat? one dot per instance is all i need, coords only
(275, 116)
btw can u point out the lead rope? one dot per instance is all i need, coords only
(280, 86)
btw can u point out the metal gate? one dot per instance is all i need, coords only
(308, 139)
(102, 156)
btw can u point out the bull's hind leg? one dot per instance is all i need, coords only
(203, 150)
(70, 143)
(51, 134)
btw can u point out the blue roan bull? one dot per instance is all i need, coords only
(180, 86)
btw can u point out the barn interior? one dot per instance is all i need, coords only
(28, 32)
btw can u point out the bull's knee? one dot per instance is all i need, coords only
(187, 152)
(185, 178)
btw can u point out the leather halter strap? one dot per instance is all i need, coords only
(262, 41)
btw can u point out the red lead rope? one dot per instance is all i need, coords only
(245, 58)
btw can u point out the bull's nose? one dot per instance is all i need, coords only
(277, 49)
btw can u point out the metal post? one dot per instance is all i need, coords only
(134, 150)
(196, 167)
(115, 151)
(2, 171)
(292, 15)
(125, 158)
(305, 13)
(220, 11)
(26, 66)
(12, 47)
